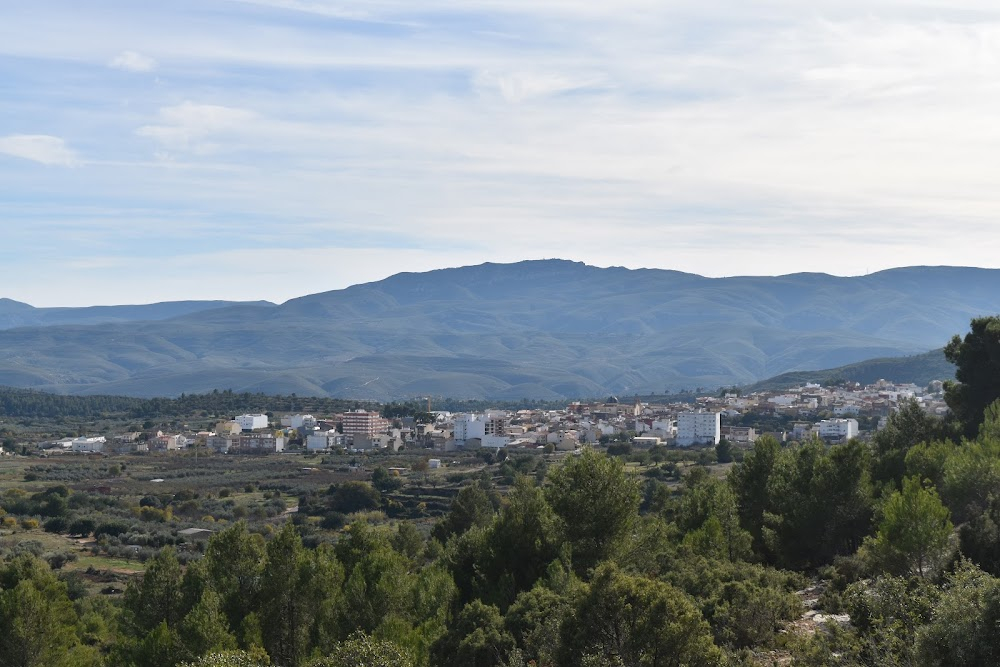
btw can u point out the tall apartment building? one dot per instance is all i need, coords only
(361, 422)
(699, 428)
(490, 428)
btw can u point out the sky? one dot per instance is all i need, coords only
(268, 149)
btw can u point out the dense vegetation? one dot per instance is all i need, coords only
(587, 560)
(37, 404)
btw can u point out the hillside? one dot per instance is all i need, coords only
(920, 369)
(547, 329)
(16, 314)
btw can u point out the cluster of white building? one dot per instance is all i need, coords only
(826, 413)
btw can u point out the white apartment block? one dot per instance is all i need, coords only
(490, 428)
(837, 429)
(251, 422)
(699, 428)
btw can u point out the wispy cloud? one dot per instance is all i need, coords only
(41, 148)
(688, 134)
(191, 127)
(132, 61)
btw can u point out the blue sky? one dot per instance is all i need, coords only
(266, 149)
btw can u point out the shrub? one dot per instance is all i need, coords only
(56, 525)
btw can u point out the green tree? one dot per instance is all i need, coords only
(887, 612)
(971, 475)
(724, 451)
(254, 658)
(520, 544)
(927, 460)
(38, 620)
(819, 503)
(979, 538)
(977, 371)
(471, 507)
(747, 614)
(360, 650)
(636, 621)
(288, 599)
(534, 621)
(709, 516)
(913, 534)
(234, 562)
(749, 481)
(384, 481)
(379, 583)
(156, 597)
(355, 496)
(477, 638)
(597, 503)
(962, 631)
(204, 629)
(904, 429)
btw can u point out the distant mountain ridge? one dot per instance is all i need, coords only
(16, 314)
(547, 329)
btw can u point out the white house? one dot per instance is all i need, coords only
(251, 422)
(320, 440)
(88, 445)
(699, 428)
(298, 421)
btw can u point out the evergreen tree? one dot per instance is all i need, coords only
(597, 503)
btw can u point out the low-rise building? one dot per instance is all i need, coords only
(252, 422)
(88, 445)
(837, 429)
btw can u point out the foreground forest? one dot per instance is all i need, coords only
(877, 553)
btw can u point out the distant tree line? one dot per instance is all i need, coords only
(28, 403)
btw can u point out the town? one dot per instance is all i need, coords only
(833, 414)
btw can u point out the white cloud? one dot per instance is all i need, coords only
(132, 61)
(685, 134)
(41, 148)
(191, 127)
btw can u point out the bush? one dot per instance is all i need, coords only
(111, 529)
(29, 524)
(56, 525)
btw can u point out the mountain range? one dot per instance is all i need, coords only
(546, 329)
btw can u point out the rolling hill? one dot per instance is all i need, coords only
(545, 329)
(920, 369)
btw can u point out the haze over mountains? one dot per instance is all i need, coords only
(539, 329)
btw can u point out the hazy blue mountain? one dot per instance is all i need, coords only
(544, 329)
(16, 314)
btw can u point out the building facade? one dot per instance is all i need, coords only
(251, 422)
(364, 423)
(699, 428)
